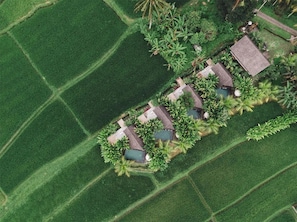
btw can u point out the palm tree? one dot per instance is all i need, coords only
(122, 167)
(288, 96)
(229, 103)
(150, 6)
(182, 146)
(244, 104)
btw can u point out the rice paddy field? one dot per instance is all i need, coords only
(67, 68)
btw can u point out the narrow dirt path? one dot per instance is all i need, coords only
(276, 23)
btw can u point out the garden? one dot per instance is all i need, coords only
(69, 71)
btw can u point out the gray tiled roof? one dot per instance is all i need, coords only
(225, 78)
(249, 56)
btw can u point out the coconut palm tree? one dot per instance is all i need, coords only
(229, 103)
(122, 167)
(244, 105)
(147, 7)
(182, 146)
(288, 96)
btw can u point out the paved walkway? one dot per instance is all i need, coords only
(277, 23)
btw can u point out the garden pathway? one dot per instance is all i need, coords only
(276, 23)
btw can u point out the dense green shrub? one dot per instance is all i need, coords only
(272, 126)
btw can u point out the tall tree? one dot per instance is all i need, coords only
(148, 7)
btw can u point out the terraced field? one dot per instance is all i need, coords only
(67, 69)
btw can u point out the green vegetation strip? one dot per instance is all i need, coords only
(227, 178)
(107, 197)
(128, 7)
(70, 182)
(13, 12)
(34, 149)
(177, 203)
(3, 198)
(285, 216)
(108, 97)
(45, 176)
(74, 37)
(19, 83)
(278, 193)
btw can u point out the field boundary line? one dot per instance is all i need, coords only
(5, 197)
(97, 63)
(25, 124)
(119, 11)
(178, 177)
(46, 173)
(28, 15)
(75, 117)
(281, 210)
(201, 197)
(26, 54)
(145, 199)
(66, 204)
(256, 187)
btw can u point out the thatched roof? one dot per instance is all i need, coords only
(249, 56)
(225, 78)
(197, 99)
(134, 140)
(164, 116)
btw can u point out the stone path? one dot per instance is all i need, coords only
(277, 23)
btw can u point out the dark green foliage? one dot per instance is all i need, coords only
(288, 96)
(106, 198)
(146, 132)
(132, 75)
(236, 13)
(45, 139)
(22, 90)
(272, 126)
(63, 50)
(177, 203)
(285, 216)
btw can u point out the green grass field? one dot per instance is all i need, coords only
(72, 67)
(72, 40)
(286, 216)
(94, 101)
(247, 165)
(106, 198)
(179, 202)
(43, 140)
(19, 84)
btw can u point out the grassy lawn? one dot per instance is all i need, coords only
(106, 198)
(263, 24)
(12, 10)
(291, 21)
(75, 37)
(129, 77)
(65, 185)
(285, 216)
(231, 175)
(19, 84)
(276, 45)
(177, 203)
(212, 144)
(276, 194)
(50, 135)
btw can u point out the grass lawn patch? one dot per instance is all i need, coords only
(213, 144)
(276, 45)
(106, 198)
(265, 201)
(2, 197)
(51, 134)
(22, 90)
(129, 77)
(76, 34)
(177, 203)
(291, 21)
(285, 216)
(231, 175)
(263, 24)
(12, 10)
(65, 185)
